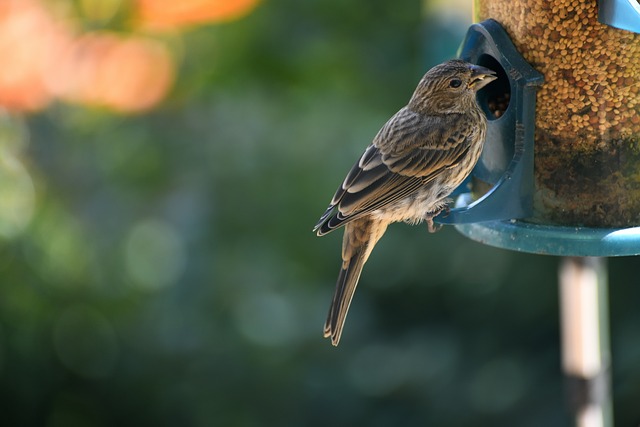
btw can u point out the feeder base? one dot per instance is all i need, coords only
(554, 240)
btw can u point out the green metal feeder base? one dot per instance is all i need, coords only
(522, 236)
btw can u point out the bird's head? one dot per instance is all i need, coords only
(450, 87)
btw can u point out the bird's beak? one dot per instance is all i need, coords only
(480, 77)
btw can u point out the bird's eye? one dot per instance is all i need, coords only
(455, 83)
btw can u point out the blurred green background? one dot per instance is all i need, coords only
(159, 269)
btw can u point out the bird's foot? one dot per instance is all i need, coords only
(431, 226)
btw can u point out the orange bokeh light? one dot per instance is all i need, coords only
(167, 14)
(126, 74)
(29, 39)
(44, 58)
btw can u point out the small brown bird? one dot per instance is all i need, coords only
(414, 162)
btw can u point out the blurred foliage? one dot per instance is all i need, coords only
(160, 269)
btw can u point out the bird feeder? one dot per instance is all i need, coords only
(560, 172)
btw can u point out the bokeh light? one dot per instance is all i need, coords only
(17, 196)
(17, 191)
(29, 43)
(46, 57)
(266, 318)
(155, 254)
(165, 14)
(58, 249)
(125, 74)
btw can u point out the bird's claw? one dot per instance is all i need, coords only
(431, 226)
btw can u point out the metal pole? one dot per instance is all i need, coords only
(586, 357)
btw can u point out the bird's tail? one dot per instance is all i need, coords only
(360, 237)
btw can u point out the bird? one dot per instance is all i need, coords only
(420, 155)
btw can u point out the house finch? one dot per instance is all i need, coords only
(414, 162)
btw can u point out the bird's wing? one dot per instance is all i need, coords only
(408, 152)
